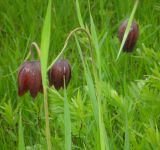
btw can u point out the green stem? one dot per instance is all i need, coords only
(47, 118)
(66, 43)
(33, 44)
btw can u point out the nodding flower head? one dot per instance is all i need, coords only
(132, 36)
(29, 78)
(60, 72)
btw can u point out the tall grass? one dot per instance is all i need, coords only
(108, 104)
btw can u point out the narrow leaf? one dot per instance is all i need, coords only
(79, 14)
(45, 40)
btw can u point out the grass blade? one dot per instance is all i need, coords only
(89, 83)
(102, 132)
(79, 14)
(45, 40)
(128, 28)
(21, 145)
(95, 43)
(95, 104)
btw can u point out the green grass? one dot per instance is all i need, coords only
(109, 103)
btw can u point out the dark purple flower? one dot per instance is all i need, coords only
(132, 36)
(29, 78)
(60, 70)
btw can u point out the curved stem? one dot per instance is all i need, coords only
(33, 45)
(66, 43)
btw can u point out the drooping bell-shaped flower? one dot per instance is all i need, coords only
(29, 78)
(59, 72)
(132, 36)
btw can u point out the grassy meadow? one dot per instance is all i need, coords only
(110, 103)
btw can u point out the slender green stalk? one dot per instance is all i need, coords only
(33, 44)
(48, 136)
(21, 145)
(66, 43)
(67, 121)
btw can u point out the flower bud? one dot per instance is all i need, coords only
(29, 78)
(59, 72)
(132, 36)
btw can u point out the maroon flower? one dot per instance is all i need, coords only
(132, 36)
(60, 70)
(29, 78)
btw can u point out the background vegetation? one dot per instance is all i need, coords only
(125, 94)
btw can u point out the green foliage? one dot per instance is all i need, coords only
(108, 104)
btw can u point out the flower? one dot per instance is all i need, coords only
(59, 71)
(29, 78)
(132, 36)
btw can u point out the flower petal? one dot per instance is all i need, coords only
(35, 80)
(22, 81)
